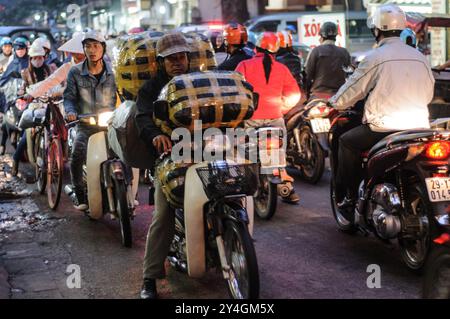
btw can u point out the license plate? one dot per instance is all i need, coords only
(438, 189)
(320, 125)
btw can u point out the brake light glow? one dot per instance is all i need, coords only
(438, 150)
(444, 238)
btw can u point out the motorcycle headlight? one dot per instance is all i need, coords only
(103, 118)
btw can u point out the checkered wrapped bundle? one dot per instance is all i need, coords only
(135, 63)
(171, 175)
(202, 56)
(219, 99)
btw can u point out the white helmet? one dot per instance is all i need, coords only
(43, 42)
(387, 17)
(36, 50)
(94, 35)
(73, 45)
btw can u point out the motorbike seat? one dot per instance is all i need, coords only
(400, 137)
(293, 111)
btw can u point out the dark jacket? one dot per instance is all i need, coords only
(324, 73)
(233, 61)
(14, 68)
(293, 63)
(148, 94)
(84, 94)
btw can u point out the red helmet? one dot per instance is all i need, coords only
(285, 39)
(235, 34)
(268, 41)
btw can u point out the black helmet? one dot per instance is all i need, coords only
(328, 30)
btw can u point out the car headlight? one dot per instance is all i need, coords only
(103, 118)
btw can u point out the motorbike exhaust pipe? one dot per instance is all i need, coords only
(284, 190)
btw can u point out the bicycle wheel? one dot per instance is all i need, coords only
(54, 173)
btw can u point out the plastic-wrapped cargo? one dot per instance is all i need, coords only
(135, 59)
(123, 137)
(135, 63)
(171, 175)
(202, 56)
(220, 99)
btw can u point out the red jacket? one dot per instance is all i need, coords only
(277, 96)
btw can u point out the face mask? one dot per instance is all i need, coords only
(37, 63)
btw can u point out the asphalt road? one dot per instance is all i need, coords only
(301, 254)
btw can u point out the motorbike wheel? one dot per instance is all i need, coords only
(241, 257)
(414, 251)
(344, 224)
(266, 199)
(54, 173)
(314, 163)
(41, 162)
(120, 195)
(436, 283)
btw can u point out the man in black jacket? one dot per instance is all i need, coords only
(173, 59)
(324, 65)
(235, 37)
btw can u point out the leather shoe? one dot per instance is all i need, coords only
(149, 289)
(293, 199)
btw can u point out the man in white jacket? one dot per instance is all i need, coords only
(398, 83)
(54, 84)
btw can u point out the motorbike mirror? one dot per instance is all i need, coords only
(161, 110)
(255, 100)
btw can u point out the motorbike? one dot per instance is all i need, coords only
(404, 189)
(307, 139)
(214, 225)
(436, 282)
(109, 181)
(271, 158)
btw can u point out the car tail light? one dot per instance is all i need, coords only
(438, 150)
(444, 238)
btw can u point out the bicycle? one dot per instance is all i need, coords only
(49, 140)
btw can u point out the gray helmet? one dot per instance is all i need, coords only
(328, 30)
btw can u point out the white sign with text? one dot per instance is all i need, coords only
(309, 27)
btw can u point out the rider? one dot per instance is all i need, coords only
(276, 88)
(37, 71)
(235, 39)
(5, 55)
(324, 65)
(90, 87)
(394, 101)
(409, 37)
(20, 60)
(9, 93)
(51, 58)
(73, 47)
(287, 56)
(173, 60)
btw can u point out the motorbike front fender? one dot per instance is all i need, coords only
(194, 202)
(96, 155)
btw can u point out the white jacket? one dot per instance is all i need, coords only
(53, 84)
(399, 84)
